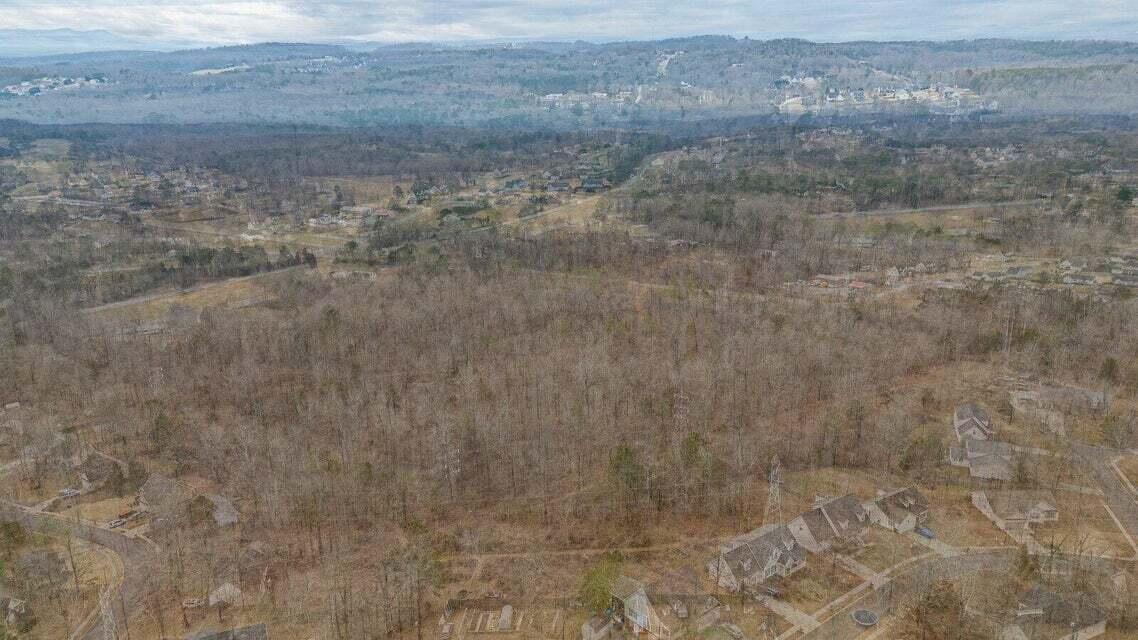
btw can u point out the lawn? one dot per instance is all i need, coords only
(817, 585)
(884, 549)
(100, 511)
(753, 618)
(958, 523)
(1084, 524)
(1129, 467)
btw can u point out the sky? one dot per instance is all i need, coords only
(165, 23)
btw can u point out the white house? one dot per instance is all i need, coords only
(752, 559)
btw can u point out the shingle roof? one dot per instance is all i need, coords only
(989, 459)
(898, 503)
(749, 554)
(841, 517)
(970, 411)
(1015, 503)
(224, 513)
(968, 415)
(1079, 608)
(160, 492)
(978, 448)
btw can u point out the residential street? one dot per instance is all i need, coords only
(136, 556)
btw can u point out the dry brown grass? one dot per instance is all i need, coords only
(884, 549)
(817, 585)
(1084, 524)
(958, 523)
(1129, 466)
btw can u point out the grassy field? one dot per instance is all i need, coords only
(159, 307)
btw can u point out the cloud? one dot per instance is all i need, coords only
(242, 21)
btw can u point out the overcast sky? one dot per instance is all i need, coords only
(243, 21)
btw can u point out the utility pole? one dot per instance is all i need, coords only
(106, 610)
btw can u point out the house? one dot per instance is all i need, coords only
(592, 185)
(222, 511)
(752, 559)
(630, 601)
(252, 632)
(95, 469)
(900, 510)
(161, 494)
(14, 612)
(970, 421)
(985, 459)
(1078, 613)
(831, 521)
(1019, 507)
(666, 615)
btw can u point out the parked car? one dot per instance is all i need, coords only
(116, 523)
(69, 492)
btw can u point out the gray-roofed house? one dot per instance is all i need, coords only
(95, 469)
(1023, 507)
(752, 559)
(1079, 613)
(971, 421)
(223, 512)
(899, 510)
(985, 459)
(252, 632)
(162, 494)
(831, 521)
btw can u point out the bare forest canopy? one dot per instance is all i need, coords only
(567, 85)
(381, 339)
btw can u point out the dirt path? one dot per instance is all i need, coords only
(943, 208)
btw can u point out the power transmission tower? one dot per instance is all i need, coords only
(110, 629)
(774, 494)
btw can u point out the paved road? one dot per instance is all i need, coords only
(136, 555)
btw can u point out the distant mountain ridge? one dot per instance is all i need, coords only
(567, 85)
(47, 42)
